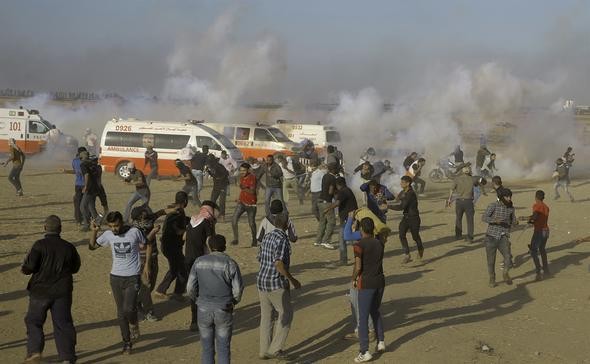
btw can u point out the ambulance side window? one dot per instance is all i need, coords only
(242, 133)
(262, 135)
(205, 140)
(170, 141)
(37, 127)
(228, 131)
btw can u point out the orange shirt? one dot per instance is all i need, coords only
(542, 211)
(248, 198)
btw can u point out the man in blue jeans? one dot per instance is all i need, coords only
(368, 278)
(273, 182)
(215, 283)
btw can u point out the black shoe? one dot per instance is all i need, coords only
(507, 278)
(126, 348)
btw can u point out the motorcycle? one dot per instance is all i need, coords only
(445, 170)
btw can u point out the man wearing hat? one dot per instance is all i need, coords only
(500, 217)
(142, 190)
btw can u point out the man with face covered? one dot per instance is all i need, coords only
(500, 217)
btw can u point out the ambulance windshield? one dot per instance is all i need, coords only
(279, 135)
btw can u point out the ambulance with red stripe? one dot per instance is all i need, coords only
(27, 127)
(257, 139)
(125, 140)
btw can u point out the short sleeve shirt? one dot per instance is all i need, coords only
(327, 181)
(246, 197)
(347, 202)
(125, 250)
(275, 246)
(542, 211)
(87, 167)
(370, 250)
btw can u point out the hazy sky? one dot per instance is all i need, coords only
(322, 47)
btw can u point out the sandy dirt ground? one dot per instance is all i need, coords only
(437, 311)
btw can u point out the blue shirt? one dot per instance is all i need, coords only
(78, 171)
(374, 200)
(350, 235)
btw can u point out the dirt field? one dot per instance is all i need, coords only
(440, 311)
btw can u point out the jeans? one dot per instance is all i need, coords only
(77, 202)
(492, 245)
(354, 307)
(221, 193)
(327, 223)
(176, 271)
(280, 301)
(144, 197)
(153, 174)
(411, 223)
(188, 263)
(14, 177)
(565, 185)
(538, 243)
(292, 183)
(144, 296)
(343, 245)
(369, 304)
(192, 190)
(251, 211)
(419, 182)
(215, 330)
(125, 294)
(88, 208)
(277, 192)
(464, 206)
(315, 210)
(64, 332)
(199, 177)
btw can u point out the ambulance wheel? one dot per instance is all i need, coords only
(122, 170)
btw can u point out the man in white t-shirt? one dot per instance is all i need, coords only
(290, 179)
(316, 187)
(125, 243)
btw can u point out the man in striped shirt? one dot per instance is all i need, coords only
(273, 289)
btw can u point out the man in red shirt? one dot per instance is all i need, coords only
(246, 202)
(539, 220)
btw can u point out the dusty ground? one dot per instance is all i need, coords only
(440, 311)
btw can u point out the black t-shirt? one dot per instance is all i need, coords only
(198, 161)
(186, 172)
(327, 181)
(152, 158)
(87, 167)
(196, 239)
(347, 202)
(370, 250)
(220, 175)
(172, 231)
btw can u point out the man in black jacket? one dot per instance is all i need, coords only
(411, 218)
(52, 261)
(274, 182)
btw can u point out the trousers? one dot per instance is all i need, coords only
(125, 294)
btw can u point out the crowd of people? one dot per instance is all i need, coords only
(211, 280)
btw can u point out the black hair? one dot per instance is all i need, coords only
(540, 195)
(331, 149)
(53, 224)
(217, 243)
(497, 180)
(407, 179)
(114, 216)
(367, 225)
(373, 183)
(210, 203)
(421, 160)
(181, 197)
(82, 149)
(333, 168)
(341, 181)
(245, 165)
(281, 221)
(137, 211)
(276, 207)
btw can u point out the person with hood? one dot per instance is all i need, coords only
(17, 157)
(142, 190)
(198, 230)
(562, 178)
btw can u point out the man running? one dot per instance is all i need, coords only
(125, 243)
(500, 217)
(480, 158)
(151, 158)
(562, 178)
(220, 177)
(198, 163)
(345, 201)
(142, 190)
(410, 220)
(52, 261)
(190, 182)
(215, 283)
(414, 172)
(17, 157)
(246, 203)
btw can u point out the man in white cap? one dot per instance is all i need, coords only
(17, 157)
(142, 190)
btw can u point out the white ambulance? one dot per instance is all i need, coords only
(125, 140)
(320, 135)
(27, 127)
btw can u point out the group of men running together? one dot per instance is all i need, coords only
(199, 267)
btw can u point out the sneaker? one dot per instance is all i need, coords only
(502, 265)
(150, 317)
(407, 259)
(134, 332)
(234, 242)
(316, 244)
(20, 193)
(126, 348)
(381, 346)
(328, 246)
(33, 358)
(363, 357)
(507, 278)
